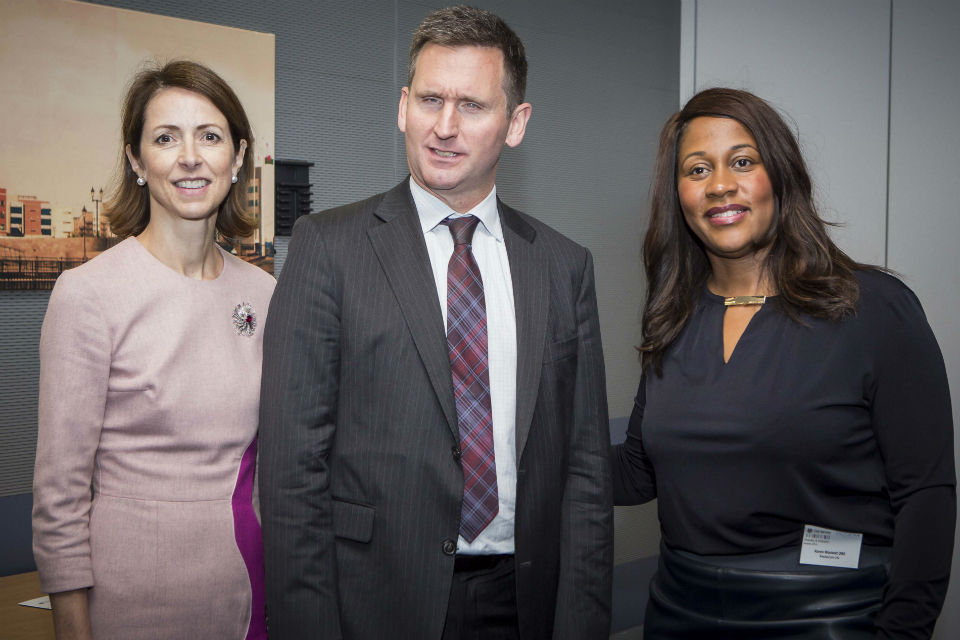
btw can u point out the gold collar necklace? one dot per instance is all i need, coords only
(744, 301)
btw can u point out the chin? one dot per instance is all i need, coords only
(736, 253)
(198, 215)
(441, 182)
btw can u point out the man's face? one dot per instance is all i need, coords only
(454, 115)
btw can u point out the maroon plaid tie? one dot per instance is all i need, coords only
(467, 341)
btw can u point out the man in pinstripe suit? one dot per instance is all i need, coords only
(405, 494)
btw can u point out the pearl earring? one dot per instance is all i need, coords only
(233, 179)
(141, 181)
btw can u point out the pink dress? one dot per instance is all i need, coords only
(149, 393)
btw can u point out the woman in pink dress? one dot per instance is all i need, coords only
(144, 517)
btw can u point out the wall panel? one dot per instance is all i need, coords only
(824, 64)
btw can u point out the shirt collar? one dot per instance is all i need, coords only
(432, 210)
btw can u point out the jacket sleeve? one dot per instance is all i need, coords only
(634, 481)
(75, 350)
(298, 419)
(586, 545)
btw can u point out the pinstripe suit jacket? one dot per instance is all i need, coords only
(360, 490)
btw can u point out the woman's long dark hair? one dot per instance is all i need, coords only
(810, 273)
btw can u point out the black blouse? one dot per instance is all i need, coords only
(845, 425)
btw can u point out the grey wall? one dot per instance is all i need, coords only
(21, 313)
(873, 89)
(826, 65)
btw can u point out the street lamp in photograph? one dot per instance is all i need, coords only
(98, 200)
(83, 231)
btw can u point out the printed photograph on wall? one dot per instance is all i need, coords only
(66, 66)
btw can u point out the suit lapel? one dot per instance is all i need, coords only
(530, 273)
(402, 252)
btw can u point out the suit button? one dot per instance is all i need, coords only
(456, 453)
(449, 547)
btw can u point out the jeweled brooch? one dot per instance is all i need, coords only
(244, 319)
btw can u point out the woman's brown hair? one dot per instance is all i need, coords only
(129, 207)
(811, 274)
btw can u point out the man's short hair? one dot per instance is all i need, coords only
(465, 26)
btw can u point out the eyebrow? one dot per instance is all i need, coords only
(174, 127)
(733, 148)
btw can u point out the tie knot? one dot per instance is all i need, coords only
(462, 228)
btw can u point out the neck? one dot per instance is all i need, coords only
(740, 276)
(462, 202)
(186, 246)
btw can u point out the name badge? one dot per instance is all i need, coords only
(829, 548)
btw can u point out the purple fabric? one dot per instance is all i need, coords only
(247, 531)
(467, 342)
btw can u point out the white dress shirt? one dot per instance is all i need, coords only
(490, 252)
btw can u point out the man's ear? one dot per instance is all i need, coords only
(402, 110)
(518, 123)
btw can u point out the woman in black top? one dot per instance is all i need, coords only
(790, 397)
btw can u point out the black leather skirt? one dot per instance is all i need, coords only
(766, 595)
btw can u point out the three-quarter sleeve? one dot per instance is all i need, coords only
(912, 419)
(75, 350)
(634, 481)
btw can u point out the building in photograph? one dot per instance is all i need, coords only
(15, 226)
(105, 228)
(83, 224)
(62, 223)
(30, 217)
(252, 244)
